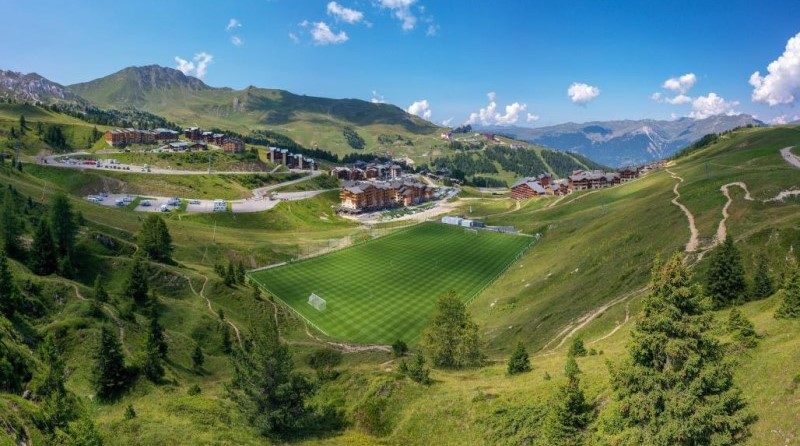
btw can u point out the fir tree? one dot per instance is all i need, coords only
(136, 287)
(155, 336)
(267, 390)
(240, 273)
(226, 343)
(569, 413)
(762, 282)
(741, 329)
(577, 348)
(10, 298)
(451, 339)
(676, 387)
(153, 368)
(198, 359)
(154, 238)
(43, 258)
(109, 373)
(230, 275)
(62, 223)
(100, 294)
(725, 283)
(417, 370)
(22, 124)
(789, 308)
(519, 361)
(11, 225)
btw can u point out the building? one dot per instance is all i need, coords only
(629, 173)
(362, 196)
(593, 179)
(165, 135)
(234, 145)
(124, 137)
(527, 187)
(291, 160)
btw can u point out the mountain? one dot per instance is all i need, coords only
(618, 143)
(32, 87)
(312, 121)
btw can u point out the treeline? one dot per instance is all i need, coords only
(523, 162)
(706, 141)
(562, 164)
(465, 164)
(353, 139)
(126, 117)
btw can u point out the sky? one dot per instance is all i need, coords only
(528, 63)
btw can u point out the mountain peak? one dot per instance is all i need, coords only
(33, 87)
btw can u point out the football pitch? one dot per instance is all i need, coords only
(385, 289)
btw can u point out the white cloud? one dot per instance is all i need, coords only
(490, 116)
(658, 97)
(713, 104)
(420, 108)
(377, 98)
(581, 94)
(532, 118)
(184, 66)
(681, 84)
(344, 14)
(447, 122)
(782, 81)
(323, 35)
(401, 9)
(197, 67)
(679, 100)
(293, 37)
(779, 120)
(233, 23)
(236, 40)
(432, 30)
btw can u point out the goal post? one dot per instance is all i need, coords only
(317, 302)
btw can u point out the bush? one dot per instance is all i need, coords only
(399, 348)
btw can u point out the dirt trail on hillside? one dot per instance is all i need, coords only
(722, 230)
(790, 157)
(694, 238)
(208, 303)
(112, 315)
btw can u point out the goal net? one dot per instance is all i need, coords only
(316, 302)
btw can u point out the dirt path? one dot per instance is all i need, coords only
(722, 231)
(208, 303)
(790, 157)
(694, 238)
(112, 315)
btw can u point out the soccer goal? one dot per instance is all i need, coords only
(316, 302)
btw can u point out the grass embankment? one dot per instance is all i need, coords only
(220, 160)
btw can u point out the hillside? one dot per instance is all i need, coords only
(619, 143)
(34, 88)
(311, 121)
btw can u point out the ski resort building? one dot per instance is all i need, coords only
(290, 160)
(544, 184)
(124, 137)
(360, 196)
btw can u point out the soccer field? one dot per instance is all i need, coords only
(386, 289)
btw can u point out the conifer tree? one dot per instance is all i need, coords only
(227, 346)
(22, 124)
(10, 225)
(789, 308)
(153, 368)
(43, 258)
(198, 358)
(267, 390)
(100, 294)
(63, 225)
(577, 348)
(569, 413)
(9, 293)
(675, 387)
(762, 282)
(240, 273)
(451, 339)
(519, 362)
(742, 330)
(230, 275)
(154, 239)
(155, 335)
(136, 287)
(725, 283)
(109, 373)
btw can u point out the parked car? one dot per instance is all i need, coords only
(146, 203)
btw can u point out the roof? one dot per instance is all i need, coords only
(532, 183)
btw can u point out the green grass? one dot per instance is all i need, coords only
(385, 289)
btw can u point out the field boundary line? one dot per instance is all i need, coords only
(290, 307)
(503, 271)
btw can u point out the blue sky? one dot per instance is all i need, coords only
(449, 54)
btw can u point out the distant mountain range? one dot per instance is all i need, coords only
(618, 143)
(34, 88)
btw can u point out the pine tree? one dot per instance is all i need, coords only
(10, 225)
(742, 330)
(240, 273)
(62, 223)
(136, 287)
(451, 339)
(725, 283)
(267, 390)
(109, 372)
(762, 282)
(52, 376)
(198, 359)
(675, 387)
(100, 294)
(569, 413)
(230, 275)
(22, 124)
(417, 370)
(154, 239)
(43, 258)
(519, 361)
(789, 307)
(153, 368)
(226, 345)
(577, 348)
(155, 335)
(9, 293)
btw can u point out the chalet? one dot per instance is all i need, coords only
(184, 146)
(362, 196)
(292, 160)
(218, 138)
(165, 135)
(235, 145)
(192, 133)
(629, 173)
(528, 187)
(123, 137)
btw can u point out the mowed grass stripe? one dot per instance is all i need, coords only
(386, 289)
